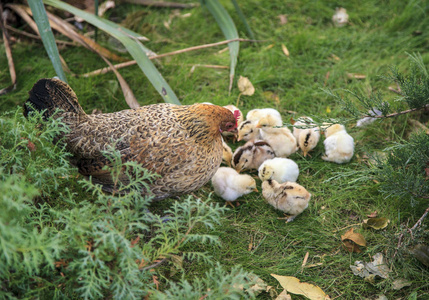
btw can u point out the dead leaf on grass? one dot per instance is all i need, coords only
(285, 50)
(356, 76)
(295, 286)
(400, 283)
(245, 86)
(352, 240)
(377, 267)
(376, 223)
(372, 215)
(283, 19)
(284, 296)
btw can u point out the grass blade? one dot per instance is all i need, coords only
(45, 31)
(243, 19)
(227, 26)
(131, 43)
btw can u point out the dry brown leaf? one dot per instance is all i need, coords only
(351, 247)
(285, 50)
(377, 223)
(295, 286)
(245, 86)
(372, 215)
(355, 237)
(283, 19)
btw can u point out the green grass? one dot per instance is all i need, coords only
(380, 35)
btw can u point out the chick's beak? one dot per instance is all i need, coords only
(255, 189)
(258, 125)
(304, 153)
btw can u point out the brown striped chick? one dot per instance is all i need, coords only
(339, 145)
(227, 154)
(256, 114)
(247, 131)
(289, 197)
(230, 185)
(307, 138)
(280, 169)
(280, 139)
(251, 155)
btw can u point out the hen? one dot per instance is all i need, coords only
(182, 144)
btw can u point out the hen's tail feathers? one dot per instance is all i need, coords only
(50, 94)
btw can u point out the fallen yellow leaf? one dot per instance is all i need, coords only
(295, 286)
(377, 223)
(285, 50)
(245, 86)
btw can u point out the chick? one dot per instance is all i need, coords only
(289, 197)
(226, 154)
(251, 155)
(307, 138)
(230, 185)
(339, 145)
(280, 169)
(280, 139)
(247, 131)
(256, 114)
(238, 116)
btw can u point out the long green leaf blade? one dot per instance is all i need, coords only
(41, 19)
(134, 47)
(243, 19)
(227, 26)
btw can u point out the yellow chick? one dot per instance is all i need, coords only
(280, 139)
(230, 185)
(307, 138)
(289, 197)
(247, 131)
(280, 169)
(251, 155)
(256, 114)
(226, 154)
(339, 145)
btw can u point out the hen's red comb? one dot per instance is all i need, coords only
(236, 116)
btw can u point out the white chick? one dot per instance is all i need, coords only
(247, 131)
(280, 139)
(226, 154)
(307, 138)
(230, 185)
(339, 145)
(256, 114)
(280, 169)
(251, 155)
(340, 18)
(289, 197)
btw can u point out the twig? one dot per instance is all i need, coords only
(155, 264)
(397, 113)
(360, 224)
(419, 221)
(8, 55)
(133, 62)
(162, 4)
(33, 36)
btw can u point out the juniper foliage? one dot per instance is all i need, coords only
(60, 244)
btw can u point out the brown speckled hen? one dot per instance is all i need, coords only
(183, 144)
